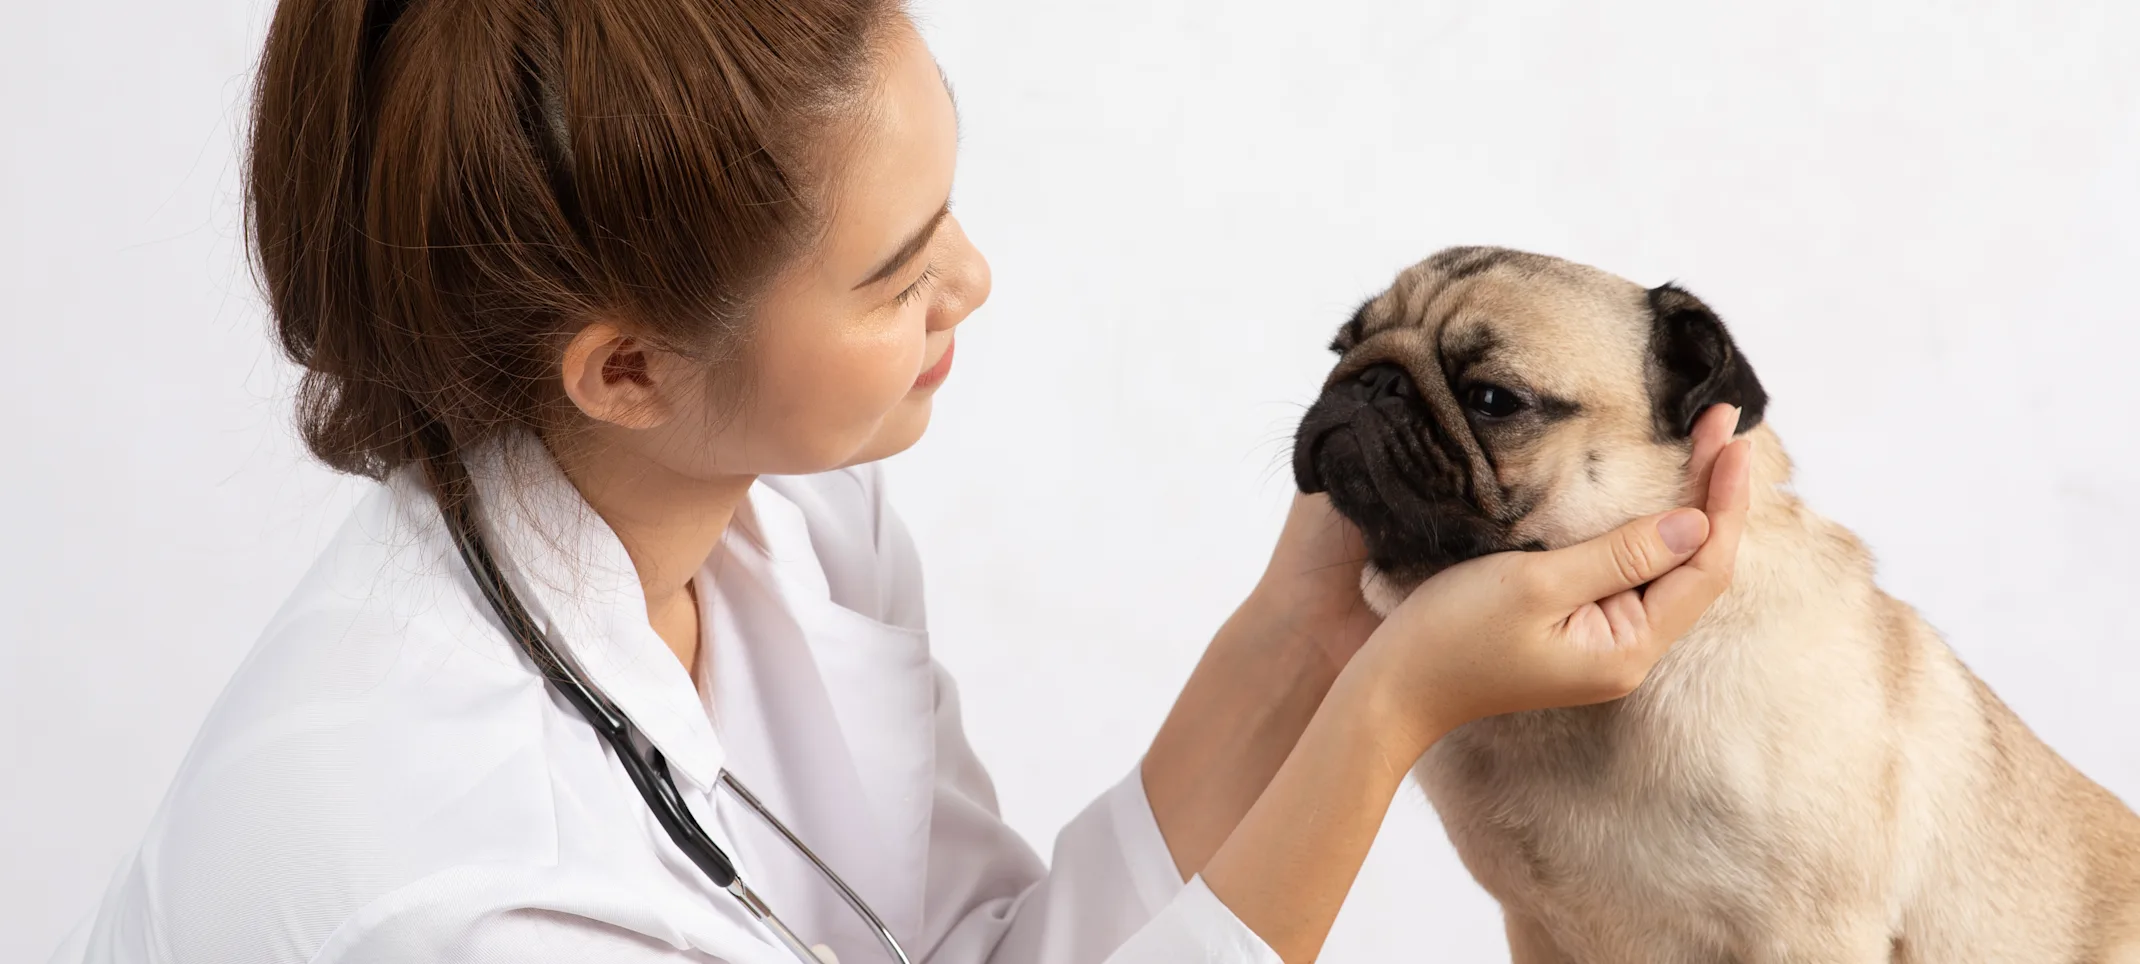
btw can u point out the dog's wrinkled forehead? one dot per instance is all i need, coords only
(1561, 327)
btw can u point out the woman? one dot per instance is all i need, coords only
(621, 300)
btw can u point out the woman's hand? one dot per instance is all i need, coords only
(1259, 683)
(1310, 591)
(1502, 633)
(1527, 630)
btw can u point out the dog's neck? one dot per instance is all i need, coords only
(1788, 551)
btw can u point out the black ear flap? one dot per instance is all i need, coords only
(1694, 365)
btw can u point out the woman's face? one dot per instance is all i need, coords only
(851, 342)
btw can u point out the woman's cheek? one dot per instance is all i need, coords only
(873, 373)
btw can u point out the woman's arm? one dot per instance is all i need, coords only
(1258, 684)
(1273, 773)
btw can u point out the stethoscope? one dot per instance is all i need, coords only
(649, 772)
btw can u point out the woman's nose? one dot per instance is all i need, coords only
(966, 282)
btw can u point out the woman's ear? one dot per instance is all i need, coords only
(615, 377)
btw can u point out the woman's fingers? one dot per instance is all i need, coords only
(1619, 560)
(1712, 432)
(1652, 548)
(1605, 648)
(1681, 560)
(1679, 597)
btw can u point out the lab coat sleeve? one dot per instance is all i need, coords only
(1111, 894)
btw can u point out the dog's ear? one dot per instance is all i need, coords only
(1694, 364)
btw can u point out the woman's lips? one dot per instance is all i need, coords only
(936, 373)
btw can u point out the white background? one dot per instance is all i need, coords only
(1922, 220)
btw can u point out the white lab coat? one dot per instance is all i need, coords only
(387, 780)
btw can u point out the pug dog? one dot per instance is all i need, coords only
(1810, 775)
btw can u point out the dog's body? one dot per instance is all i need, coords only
(1810, 775)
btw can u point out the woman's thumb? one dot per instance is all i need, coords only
(1628, 556)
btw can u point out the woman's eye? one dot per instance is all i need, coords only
(1492, 401)
(920, 284)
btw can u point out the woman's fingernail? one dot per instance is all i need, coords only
(1682, 530)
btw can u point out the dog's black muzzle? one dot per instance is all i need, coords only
(1389, 465)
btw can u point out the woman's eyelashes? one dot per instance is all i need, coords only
(921, 284)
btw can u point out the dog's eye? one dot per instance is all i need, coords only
(1491, 401)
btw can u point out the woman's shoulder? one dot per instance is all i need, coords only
(377, 732)
(386, 612)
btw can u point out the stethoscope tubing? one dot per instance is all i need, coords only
(649, 773)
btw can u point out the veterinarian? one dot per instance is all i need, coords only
(624, 660)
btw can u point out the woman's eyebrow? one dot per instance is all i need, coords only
(907, 251)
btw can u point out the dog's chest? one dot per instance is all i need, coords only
(1655, 860)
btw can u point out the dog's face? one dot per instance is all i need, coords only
(1493, 400)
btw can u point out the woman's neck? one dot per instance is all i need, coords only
(669, 524)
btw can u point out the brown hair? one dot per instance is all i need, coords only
(437, 189)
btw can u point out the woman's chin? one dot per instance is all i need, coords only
(901, 428)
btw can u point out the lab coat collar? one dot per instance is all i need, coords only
(873, 683)
(575, 577)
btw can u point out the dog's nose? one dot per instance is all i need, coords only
(1382, 380)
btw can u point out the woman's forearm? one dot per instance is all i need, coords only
(1257, 686)
(1287, 866)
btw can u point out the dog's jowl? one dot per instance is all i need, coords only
(1810, 775)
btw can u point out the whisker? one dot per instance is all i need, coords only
(1279, 440)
